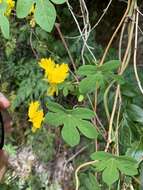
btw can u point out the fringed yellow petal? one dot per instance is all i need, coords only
(54, 73)
(48, 65)
(35, 115)
(10, 6)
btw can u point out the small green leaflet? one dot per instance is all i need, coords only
(110, 173)
(95, 75)
(73, 121)
(4, 25)
(135, 112)
(4, 22)
(110, 166)
(70, 133)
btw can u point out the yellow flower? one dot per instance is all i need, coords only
(48, 65)
(54, 73)
(36, 116)
(10, 6)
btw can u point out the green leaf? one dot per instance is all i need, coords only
(101, 155)
(69, 132)
(87, 129)
(127, 169)
(4, 25)
(119, 79)
(91, 183)
(94, 183)
(127, 165)
(55, 107)
(54, 119)
(3, 7)
(58, 1)
(111, 173)
(110, 65)
(72, 120)
(86, 70)
(101, 165)
(23, 7)
(97, 75)
(111, 165)
(45, 14)
(10, 149)
(82, 113)
(136, 150)
(87, 85)
(136, 113)
(128, 90)
(88, 181)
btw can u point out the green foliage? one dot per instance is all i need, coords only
(135, 112)
(45, 11)
(23, 7)
(44, 14)
(89, 182)
(136, 150)
(96, 76)
(39, 145)
(10, 149)
(73, 120)
(4, 22)
(110, 165)
(23, 81)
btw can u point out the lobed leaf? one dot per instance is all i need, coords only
(82, 113)
(111, 165)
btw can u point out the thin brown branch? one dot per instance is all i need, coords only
(57, 25)
(135, 54)
(115, 33)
